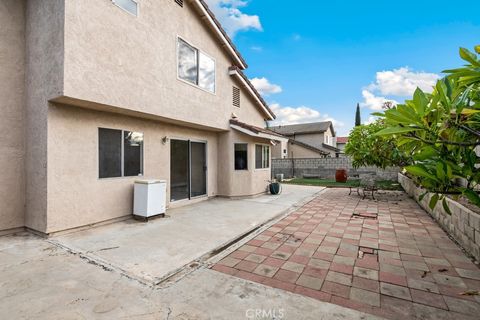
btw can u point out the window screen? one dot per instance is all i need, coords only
(110, 153)
(132, 153)
(128, 5)
(187, 62)
(206, 73)
(241, 156)
(262, 156)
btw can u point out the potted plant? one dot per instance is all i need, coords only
(341, 175)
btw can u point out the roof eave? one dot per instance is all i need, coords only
(220, 32)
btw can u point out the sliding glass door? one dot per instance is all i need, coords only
(188, 169)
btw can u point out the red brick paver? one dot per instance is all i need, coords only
(386, 257)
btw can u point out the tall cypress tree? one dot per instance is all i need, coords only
(358, 118)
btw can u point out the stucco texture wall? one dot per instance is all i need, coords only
(76, 195)
(44, 81)
(115, 58)
(12, 122)
(240, 183)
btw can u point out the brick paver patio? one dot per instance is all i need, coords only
(385, 257)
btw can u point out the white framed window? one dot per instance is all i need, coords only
(262, 156)
(120, 153)
(131, 6)
(195, 66)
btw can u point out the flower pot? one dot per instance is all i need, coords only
(274, 188)
(341, 175)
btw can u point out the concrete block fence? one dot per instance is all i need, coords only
(463, 224)
(326, 167)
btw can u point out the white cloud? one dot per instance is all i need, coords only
(371, 101)
(294, 115)
(265, 87)
(371, 120)
(403, 82)
(232, 18)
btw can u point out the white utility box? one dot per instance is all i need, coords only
(149, 198)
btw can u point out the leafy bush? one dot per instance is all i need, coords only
(441, 131)
(367, 149)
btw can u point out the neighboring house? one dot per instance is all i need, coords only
(97, 94)
(306, 140)
(341, 143)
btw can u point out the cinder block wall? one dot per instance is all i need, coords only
(463, 224)
(326, 168)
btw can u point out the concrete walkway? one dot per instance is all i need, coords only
(157, 249)
(39, 281)
(74, 277)
(385, 257)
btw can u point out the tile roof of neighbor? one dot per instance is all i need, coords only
(315, 127)
(342, 140)
(307, 146)
(254, 128)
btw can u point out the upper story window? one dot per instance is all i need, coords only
(130, 6)
(195, 67)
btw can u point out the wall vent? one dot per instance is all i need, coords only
(236, 97)
(179, 2)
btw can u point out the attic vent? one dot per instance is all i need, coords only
(236, 97)
(179, 2)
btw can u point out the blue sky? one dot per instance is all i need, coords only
(314, 60)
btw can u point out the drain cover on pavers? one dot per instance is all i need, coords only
(365, 215)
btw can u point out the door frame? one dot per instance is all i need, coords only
(205, 142)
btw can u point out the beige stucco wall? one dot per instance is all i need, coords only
(117, 59)
(296, 151)
(76, 196)
(240, 183)
(12, 103)
(278, 150)
(44, 81)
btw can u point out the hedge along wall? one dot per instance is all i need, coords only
(325, 168)
(463, 225)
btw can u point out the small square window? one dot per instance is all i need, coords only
(241, 156)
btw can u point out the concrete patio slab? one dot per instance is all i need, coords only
(154, 250)
(39, 280)
(386, 257)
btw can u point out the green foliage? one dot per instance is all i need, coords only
(441, 131)
(367, 149)
(358, 117)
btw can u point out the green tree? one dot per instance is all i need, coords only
(358, 117)
(367, 149)
(441, 131)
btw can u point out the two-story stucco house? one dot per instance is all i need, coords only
(97, 93)
(306, 140)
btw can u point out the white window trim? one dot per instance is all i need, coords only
(198, 57)
(142, 155)
(263, 159)
(119, 6)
